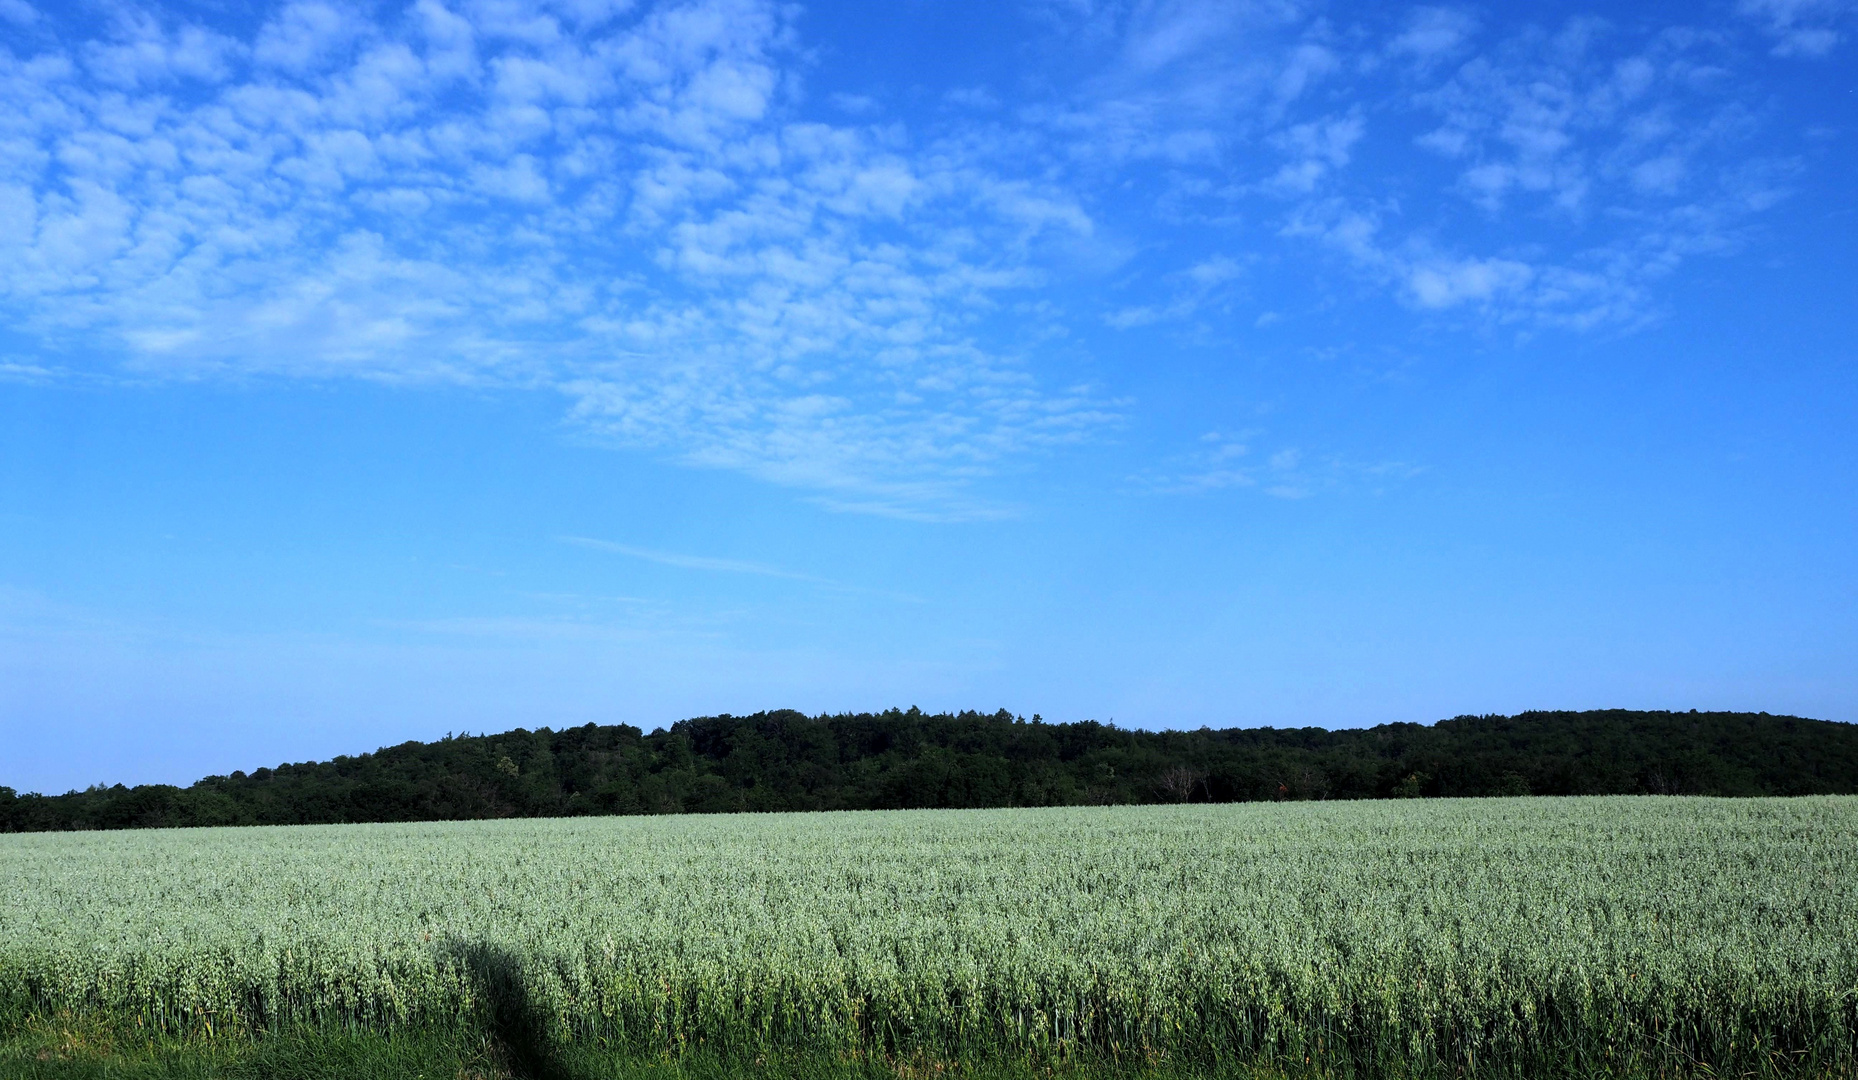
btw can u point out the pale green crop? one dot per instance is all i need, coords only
(1488, 934)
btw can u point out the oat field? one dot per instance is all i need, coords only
(1495, 936)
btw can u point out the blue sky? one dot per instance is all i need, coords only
(375, 370)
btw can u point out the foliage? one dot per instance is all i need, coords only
(91, 1048)
(82, 1050)
(1424, 937)
(908, 759)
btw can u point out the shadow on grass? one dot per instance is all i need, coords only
(509, 1014)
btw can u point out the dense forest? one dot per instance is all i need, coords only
(789, 761)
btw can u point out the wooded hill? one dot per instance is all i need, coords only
(789, 761)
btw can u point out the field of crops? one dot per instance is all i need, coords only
(1477, 936)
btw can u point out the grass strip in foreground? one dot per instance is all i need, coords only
(79, 1048)
(68, 1048)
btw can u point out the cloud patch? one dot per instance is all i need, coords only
(881, 301)
(619, 204)
(1801, 28)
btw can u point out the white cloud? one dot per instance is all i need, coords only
(1315, 148)
(856, 104)
(1223, 461)
(1185, 82)
(1807, 28)
(636, 207)
(689, 562)
(1443, 283)
(1571, 121)
(305, 34)
(1205, 284)
(1579, 162)
(1596, 162)
(140, 50)
(1432, 34)
(589, 14)
(972, 97)
(629, 214)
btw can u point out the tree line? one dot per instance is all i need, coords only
(787, 760)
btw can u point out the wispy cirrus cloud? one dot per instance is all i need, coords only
(712, 564)
(1536, 177)
(1221, 461)
(691, 562)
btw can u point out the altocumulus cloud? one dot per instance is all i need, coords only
(638, 206)
(618, 204)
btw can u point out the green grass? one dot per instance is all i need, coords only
(84, 1051)
(71, 1048)
(1512, 937)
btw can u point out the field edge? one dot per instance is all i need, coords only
(70, 1047)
